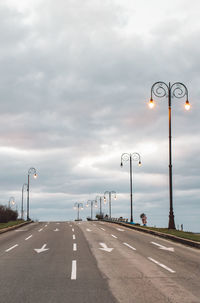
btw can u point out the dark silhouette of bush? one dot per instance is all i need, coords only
(7, 214)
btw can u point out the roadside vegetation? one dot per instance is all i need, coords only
(8, 217)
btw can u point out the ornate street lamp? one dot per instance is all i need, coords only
(110, 196)
(131, 157)
(177, 90)
(32, 171)
(11, 202)
(24, 187)
(100, 202)
(78, 207)
(91, 203)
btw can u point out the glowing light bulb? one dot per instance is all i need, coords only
(151, 103)
(187, 105)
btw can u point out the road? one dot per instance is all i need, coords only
(95, 262)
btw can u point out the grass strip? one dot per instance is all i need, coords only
(10, 223)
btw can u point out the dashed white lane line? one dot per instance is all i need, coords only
(29, 237)
(133, 248)
(87, 229)
(72, 229)
(120, 229)
(40, 229)
(103, 229)
(74, 269)
(114, 236)
(74, 237)
(74, 247)
(11, 247)
(162, 265)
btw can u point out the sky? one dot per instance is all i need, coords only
(75, 81)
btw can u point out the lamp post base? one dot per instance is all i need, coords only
(171, 222)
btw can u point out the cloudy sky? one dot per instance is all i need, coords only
(75, 80)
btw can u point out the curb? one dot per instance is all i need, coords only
(4, 230)
(160, 234)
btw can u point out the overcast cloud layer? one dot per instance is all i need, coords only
(75, 79)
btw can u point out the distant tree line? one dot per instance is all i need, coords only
(7, 214)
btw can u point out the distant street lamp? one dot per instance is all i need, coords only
(11, 202)
(100, 202)
(78, 206)
(110, 196)
(24, 187)
(178, 90)
(131, 157)
(32, 171)
(91, 203)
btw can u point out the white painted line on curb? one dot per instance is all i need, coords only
(73, 274)
(103, 229)
(133, 248)
(11, 247)
(74, 247)
(162, 265)
(74, 237)
(29, 237)
(114, 236)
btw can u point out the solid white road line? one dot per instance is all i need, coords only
(114, 236)
(103, 229)
(29, 237)
(162, 265)
(74, 247)
(11, 248)
(72, 229)
(74, 237)
(133, 248)
(73, 274)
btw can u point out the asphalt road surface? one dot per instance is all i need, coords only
(95, 262)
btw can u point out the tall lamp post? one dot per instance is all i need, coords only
(100, 202)
(178, 90)
(91, 203)
(78, 206)
(110, 197)
(131, 157)
(32, 171)
(24, 187)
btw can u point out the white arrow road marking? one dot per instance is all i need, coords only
(163, 247)
(103, 229)
(29, 237)
(105, 247)
(87, 229)
(73, 273)
(42, 249)
(40, 229)
(11, 247)
(133, 248)
(74, 237)
(162, 265)
(56, 229)
(114, 236)
(120, 229)
(74, 247)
